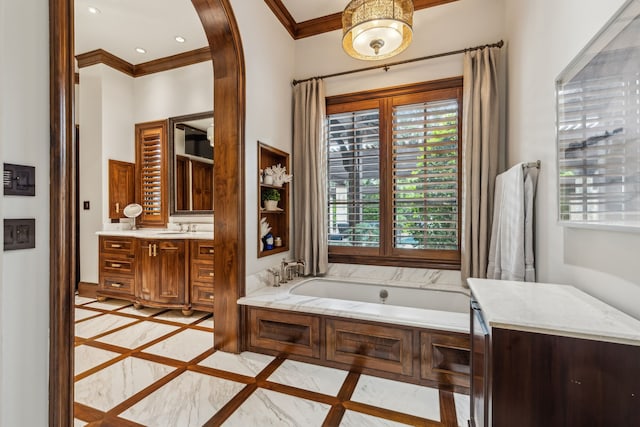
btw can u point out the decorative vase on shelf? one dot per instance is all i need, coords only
(268, 179)
(271, 205)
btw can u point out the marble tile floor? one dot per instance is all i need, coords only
(154, 367)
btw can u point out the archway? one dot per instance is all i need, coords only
(229, 105)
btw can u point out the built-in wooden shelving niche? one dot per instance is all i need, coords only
(278, 219)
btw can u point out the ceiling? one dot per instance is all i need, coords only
(123, 25)
(304, 10)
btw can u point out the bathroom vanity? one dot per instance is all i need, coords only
(551, 355)
(157, 269)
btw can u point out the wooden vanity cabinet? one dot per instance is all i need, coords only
(162, 275)
(117, 267)
(534, 379)
(201, 275)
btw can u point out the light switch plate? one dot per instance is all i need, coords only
(19, 180)
(19, 234)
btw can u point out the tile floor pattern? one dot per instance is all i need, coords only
(154, 367)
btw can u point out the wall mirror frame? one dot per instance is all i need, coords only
(186, 196)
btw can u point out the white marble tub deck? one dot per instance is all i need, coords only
(281, 298)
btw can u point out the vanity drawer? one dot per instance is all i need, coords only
(202, 271)
(202, 294)
(202, 250)
(117, 265)
(114, 283)
(117, 245)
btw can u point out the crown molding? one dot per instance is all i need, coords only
(324, 24)
(101, 56)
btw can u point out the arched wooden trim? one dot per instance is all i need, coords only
(229, 103)
(229, 215)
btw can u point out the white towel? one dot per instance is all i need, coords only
(506, 249)
(530, 182)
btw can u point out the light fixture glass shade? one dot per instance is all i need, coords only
(377, 29)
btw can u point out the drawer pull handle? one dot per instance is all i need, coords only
(211, 274)
(115, 265)
(210, 251)
(150, 249)
(155, 250)
(116, 245)
(117, 207)
(116, 285)
(171, 248)
(210, 296)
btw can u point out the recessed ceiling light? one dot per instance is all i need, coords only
(180, 39)
(94, 10)
(140, 50)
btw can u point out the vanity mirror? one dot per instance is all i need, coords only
(191, 164)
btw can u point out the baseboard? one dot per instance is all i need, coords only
(87, 289)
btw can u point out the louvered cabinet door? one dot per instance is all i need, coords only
(151, 167)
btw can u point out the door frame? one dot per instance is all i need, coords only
(222, 32)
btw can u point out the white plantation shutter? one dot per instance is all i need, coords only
(425, 175)
(599, 147)
(354, 178)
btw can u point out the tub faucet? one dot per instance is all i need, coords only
(301, 264)
(283, 270)
(276, 276)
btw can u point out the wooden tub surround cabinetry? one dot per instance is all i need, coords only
(550, 355)
(156, 272)
(415, 355)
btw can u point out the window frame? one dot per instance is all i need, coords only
(385, 100)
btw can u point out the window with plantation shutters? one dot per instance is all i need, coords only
(393, 175)
(354, 178)
(599, 142)
(151, 173)
(425, 175)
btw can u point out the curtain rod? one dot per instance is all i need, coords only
(393, 64)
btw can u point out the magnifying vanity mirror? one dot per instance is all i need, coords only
(191, 164)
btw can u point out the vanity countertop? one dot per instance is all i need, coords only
(158, 233)
(552, 309)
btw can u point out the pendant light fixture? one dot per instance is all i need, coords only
(377, 29)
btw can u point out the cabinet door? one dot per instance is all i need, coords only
(162, 275)
(480, 369)
(148, 274)
(151, 167)
(171, 268)
(121, 187)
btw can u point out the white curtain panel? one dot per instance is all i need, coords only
(310, 176)
(480, 145)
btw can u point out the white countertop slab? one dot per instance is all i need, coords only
(280, 298)
(158, 233)
(552, 309)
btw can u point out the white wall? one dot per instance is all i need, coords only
(269, 61)
(185, 90)
(24, 274)
(543, 37)
(444, 28)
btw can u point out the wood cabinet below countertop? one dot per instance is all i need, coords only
(167, 273)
